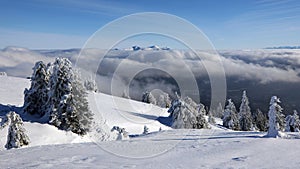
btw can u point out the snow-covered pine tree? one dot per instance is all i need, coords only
(296, 124)
(201, 121)
(90, 85)
(187, 114)
(148, 98)
(245, 118)
(274, 111)
(189, 101)
(69, 108)
(288, 123)
(260, 121)
(230, 119)
(178, 114)
(292, 122)
(146, 130)
(164, 100)
(36, 97)
(280, 118)
(219, 111)
(17, 136)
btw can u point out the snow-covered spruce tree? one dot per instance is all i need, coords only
(146, 130)
(68, 108)
(164, 100)
(274, 111)
(296, 123)
(201, 121)
(292, 122)
(17, 136)
(230, 119)
(148, 98)
(280, 118)
(90, 85)
(36, 97)
(218, 112)
(245, 118)
(260, 121)
(187, 114)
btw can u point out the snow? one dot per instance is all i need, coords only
(11, 89)
(199, 149)
(182, 148)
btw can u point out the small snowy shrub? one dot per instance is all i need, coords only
(146, 130)
(122, 133)
(17, 136)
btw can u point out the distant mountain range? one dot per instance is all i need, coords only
(284, 47)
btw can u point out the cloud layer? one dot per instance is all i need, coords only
(130, 73)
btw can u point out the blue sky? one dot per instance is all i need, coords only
(232, 24)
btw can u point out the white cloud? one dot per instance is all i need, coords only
(263, 66)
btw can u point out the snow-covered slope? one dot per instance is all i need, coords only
(214, 148)
(109, 111)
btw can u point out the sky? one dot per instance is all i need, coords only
(234, 24)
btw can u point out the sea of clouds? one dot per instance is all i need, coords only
(129, 73)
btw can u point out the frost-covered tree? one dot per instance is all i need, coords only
(146, 130)
(17, 136)
(90, 85)
(148, 98)
(260, 120)
(218, 112)
(274, 111)
(230, 119)
(201, 121)
(68, 105)
(292, 122)
(187, 114)
(36, 97)
(296, 124)
(122, 133)
(245, 118)
(280, 118)
(189, 101)
(164, 100)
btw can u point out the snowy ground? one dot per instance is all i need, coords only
(215, 148)
(198, 149)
